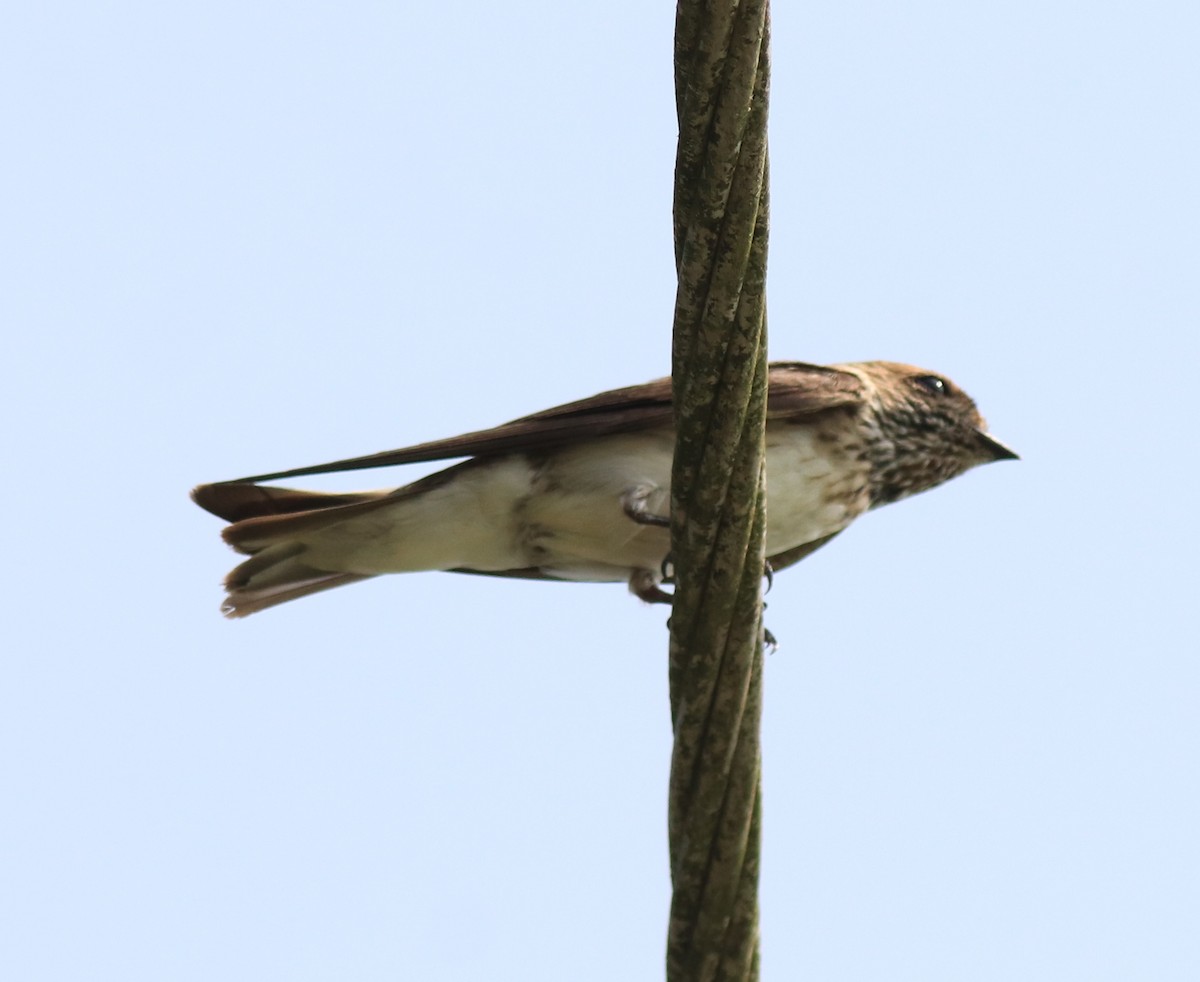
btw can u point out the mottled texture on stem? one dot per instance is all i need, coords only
(719, 371)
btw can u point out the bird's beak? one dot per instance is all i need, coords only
(995, 448)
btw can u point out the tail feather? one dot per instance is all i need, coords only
(269, 567)
(235, 502)
(242, 602)
(266, 524)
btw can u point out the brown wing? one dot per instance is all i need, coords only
(782, 560)
(796, 390)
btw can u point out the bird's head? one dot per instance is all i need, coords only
(925, 430)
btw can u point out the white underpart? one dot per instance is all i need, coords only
(565, 517)
(466, 522)
(576, 522)
(811, 493)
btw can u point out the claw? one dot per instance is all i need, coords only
(643, 584)
(769, 643)
(769, 574)
(633, 503)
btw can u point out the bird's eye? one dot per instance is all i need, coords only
(932, 384)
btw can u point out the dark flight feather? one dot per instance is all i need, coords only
(796, 391)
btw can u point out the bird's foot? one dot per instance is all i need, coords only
(633, 503)
(644, 584)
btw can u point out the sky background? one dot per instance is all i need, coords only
(243, 237)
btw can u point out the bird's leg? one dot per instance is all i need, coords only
(633, 503)
(643, 584)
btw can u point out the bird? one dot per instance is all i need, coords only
(581, 492)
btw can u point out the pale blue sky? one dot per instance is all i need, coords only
(240, 237)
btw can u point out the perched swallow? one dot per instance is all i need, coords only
(582, 492)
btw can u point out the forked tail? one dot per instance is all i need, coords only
(266, 524)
